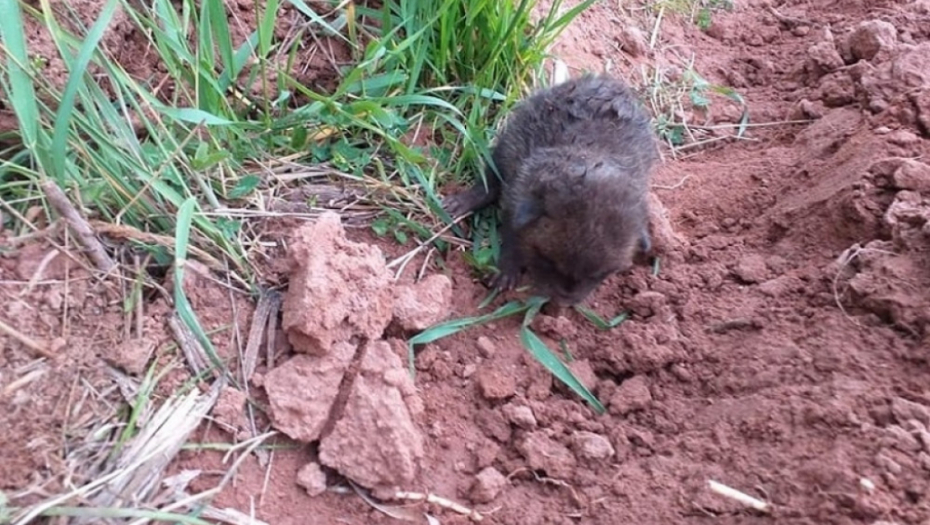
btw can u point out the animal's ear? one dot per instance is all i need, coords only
(527, 211)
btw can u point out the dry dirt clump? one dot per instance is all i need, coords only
(357, 400)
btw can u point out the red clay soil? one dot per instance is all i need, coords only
(782, 349)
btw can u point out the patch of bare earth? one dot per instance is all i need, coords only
(782, 349)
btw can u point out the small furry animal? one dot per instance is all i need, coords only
(574, 163)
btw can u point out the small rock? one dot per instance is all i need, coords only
(469, 370)
(543, 453)
(520, 415)
(806, 109)
(887, 464)
(421, 305)
(131, 355)
(633, 41)
(924, 459)
(494, 425)
(682, 372)
(824, 57)
(780, 286)
(641, 438)
(801, 31)
(904, 410)
(648, 304)
(488, 485)
(312, 478)
(912, 175)
(903, 137)
(837, 90)
(924, 437)
(559, 327)
(229, 411)
(495, 384)
(665, 240)
(589, 445)
(872, 37)
(632, 395)
(902, 440)
(751, 269)
(485, 347)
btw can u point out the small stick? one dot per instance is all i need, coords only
(29, 342)
(265, 307)
(741, 497)
(189, 345)
(82, 229)
(442, 502)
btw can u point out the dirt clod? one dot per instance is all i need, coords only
(495, 384)
(520, 415)
(488, 485)
(632, 395)
(751, 269)
(871, 38)
(312, 478)
(338, 288)
(302, 390)
(420, 305)
(485, 346)
(591, 446)
(376, 443)
(543, 453)
(229, 412)
(132, 355)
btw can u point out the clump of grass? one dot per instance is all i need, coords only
(673, 93)
(699, 12)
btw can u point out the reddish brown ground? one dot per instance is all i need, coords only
(783, 349)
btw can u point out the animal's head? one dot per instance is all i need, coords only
(576, 220)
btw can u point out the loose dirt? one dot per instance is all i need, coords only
(782, 348)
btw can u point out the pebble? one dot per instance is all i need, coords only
(485, 347)
(632, 395)
(312, 478)
(589, 445)
(520, 415)
(488, 485)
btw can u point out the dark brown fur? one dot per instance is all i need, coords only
(575, 163)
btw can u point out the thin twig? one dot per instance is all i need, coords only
(440, 501)
(29, 342)
(741, 497)
(85, 234)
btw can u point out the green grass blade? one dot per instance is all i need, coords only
(181, 304)
(548, 359)
(22, 94)
(193, 116)
(599, 321)
(219, 27)
(75, 79)
(311, 14)
(455, 326)
(558, 369)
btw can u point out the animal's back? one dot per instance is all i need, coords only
(597, 113)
